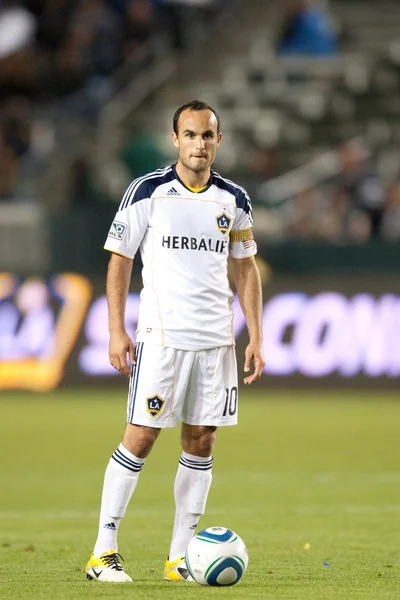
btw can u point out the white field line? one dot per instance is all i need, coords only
(90, 514)
(258, 478)
(137, 513)
(269, 478)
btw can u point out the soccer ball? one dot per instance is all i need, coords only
(217, 556)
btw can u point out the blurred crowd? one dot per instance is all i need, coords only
(355, 206)
(67, 51)
(52, 47)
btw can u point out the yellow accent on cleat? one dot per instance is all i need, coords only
(106, 567)
(176, 570)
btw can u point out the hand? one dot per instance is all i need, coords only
(253, 354)
(121, 345)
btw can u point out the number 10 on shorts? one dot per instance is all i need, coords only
(231, 398)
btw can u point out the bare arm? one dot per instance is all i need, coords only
(248, 285)
(118, 278)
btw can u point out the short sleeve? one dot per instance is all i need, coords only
(129, 226)
(242, 244)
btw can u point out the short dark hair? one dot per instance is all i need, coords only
(194, 105)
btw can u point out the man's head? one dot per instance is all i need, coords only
(197, 135)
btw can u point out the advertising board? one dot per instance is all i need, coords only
(329, 331)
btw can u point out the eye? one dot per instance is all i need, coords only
(208, 135)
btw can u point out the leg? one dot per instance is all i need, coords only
(120, 481)
(154, 402)
(198, 440)
(192, 484)
(211, 399)
(139, 440)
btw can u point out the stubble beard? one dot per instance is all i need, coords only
(199, 169)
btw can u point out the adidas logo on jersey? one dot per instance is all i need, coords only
(173, 192)
(109, 526)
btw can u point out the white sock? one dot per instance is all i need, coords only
(192, 484)
(120, 481)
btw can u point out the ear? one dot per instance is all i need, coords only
(175, 139)
(219, 139)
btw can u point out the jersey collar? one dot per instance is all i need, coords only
(209, 183)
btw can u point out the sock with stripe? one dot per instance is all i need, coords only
(120, 481)
(192, 484)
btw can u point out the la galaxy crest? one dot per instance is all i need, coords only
(224, 223)
(155, 405)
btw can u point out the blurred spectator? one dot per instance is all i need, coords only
(258, 166)
(307, 30)
(185, 19)
(390, 226)
(16, 125)
(313, 218)
(263, 163)
(140, 22)
(102, 31)
(8, 169)
(358, 227)
(358, 184)
(53, 21)
(81, 188)
(90, 47)
(14, 142)
(304, 217)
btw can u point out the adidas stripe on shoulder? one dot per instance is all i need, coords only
(143, 187)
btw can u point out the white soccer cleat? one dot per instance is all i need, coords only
(107, 567)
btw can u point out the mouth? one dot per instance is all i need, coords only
(198, 156)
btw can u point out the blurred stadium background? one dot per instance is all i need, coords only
(309, 98)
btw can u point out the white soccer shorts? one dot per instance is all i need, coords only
(197, 387)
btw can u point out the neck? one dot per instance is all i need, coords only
(191, 178)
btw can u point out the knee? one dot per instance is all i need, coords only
(198, 440)
(139, 440)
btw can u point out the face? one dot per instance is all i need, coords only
(197, 140)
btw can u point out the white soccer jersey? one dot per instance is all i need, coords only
(184, 239)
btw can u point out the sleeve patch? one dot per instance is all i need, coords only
(118, 230)
(241, 235)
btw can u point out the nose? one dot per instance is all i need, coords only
(200, 143)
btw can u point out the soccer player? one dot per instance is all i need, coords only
(186, 219)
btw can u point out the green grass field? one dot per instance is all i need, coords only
(319, 469)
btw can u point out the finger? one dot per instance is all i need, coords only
(132, 353)
(124, 365)
(114, 362)
(249, 380)
(247, 362)
(117, 363)
(258, 369)
(259, 365)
